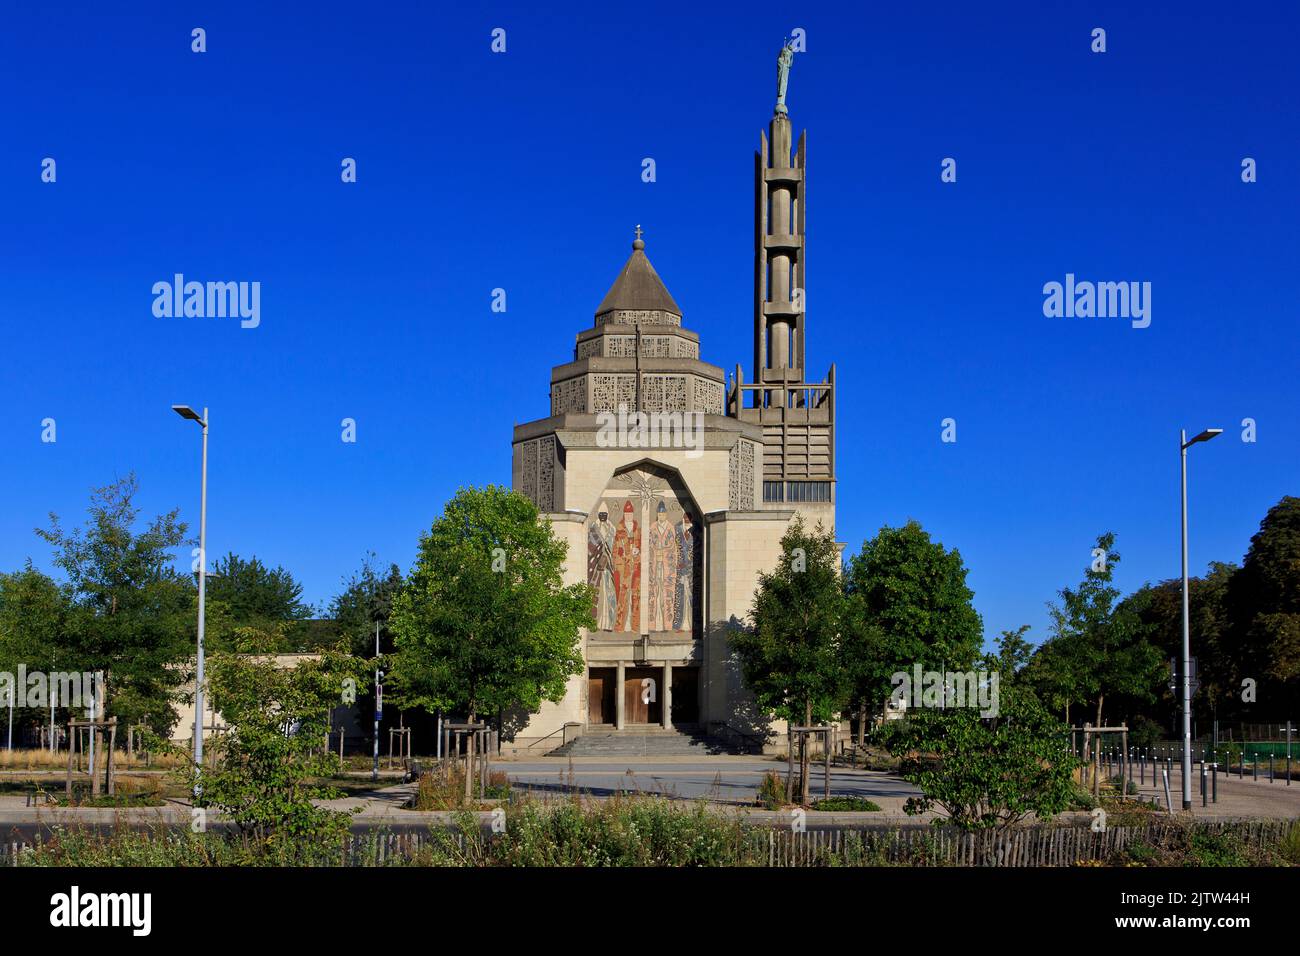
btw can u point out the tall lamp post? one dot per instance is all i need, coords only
(1187, 644)
(186, 412)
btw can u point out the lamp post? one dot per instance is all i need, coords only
(1184, 444)
(186, 412)
(379, 705)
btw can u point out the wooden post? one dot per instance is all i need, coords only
(70, 749)
(829, 733)
(469, 764)
(94, 779)
(108, 763)
(1123, 771)
(789, 776)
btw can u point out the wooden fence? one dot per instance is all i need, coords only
(1027, 846)
(1021, 846)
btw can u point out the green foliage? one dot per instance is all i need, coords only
(366, 600)
(33, 617)
(1264, 608)
(273, 754)
(1144, 733)
(130, 614)
(1098, 648)
(986, 772)
(1014, 653)
(254, 593)
(166, 847)
(1244, 622)
(791, 657)
(771, 791)
(245, 596)
(444, 789)
(909, 604)
(485, 623)
(639, 832)
(846, 805)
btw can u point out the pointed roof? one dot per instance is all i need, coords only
(638, 287)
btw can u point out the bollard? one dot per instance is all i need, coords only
(1169, 802)
(1214, 780)
(1256, 756)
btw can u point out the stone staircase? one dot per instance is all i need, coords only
(641, 741)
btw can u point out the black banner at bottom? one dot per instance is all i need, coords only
(139, 906)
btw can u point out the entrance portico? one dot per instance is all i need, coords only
(639, 693)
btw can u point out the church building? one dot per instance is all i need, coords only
(673, 482)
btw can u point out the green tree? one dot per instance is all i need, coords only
(1014, 653)
(1218, 662)
(366, 600)
(271, 764)
(485, 623)
(33, 613)
(1264, 610)
(790, 658)
(910, 605)
(865, 654)
(1101, 646)
(986, 771)
(131, 613)
(1054, 675)
(254, 593)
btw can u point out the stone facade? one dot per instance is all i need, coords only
(672, 488)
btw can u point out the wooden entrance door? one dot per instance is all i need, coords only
(600, 695)
(636, 709)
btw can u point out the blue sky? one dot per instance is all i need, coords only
(522, 171)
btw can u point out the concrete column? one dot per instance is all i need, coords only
(666, 696)
(618, 698)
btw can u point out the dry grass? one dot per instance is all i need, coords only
(11, 760)
(444, 789)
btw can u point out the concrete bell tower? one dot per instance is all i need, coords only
(797, 415)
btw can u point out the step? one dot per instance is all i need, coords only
(640, 742)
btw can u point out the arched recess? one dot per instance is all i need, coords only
(645, 553)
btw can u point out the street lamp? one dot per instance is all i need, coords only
(184, 411)
(1184, 444)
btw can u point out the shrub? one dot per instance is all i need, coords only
(271, 762)
(845, 804)
(771, 791)
(986, 771)
(444, 788)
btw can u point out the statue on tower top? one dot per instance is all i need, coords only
(783, 62)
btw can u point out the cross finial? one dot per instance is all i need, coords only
(638, 242)
(638, 230)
